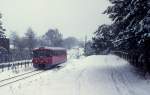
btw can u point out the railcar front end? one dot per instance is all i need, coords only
(46, 58)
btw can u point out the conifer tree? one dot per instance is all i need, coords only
(2, 35)
(130, 20)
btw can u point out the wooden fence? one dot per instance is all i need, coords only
(135, 58)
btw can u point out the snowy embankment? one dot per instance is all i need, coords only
(93, 75)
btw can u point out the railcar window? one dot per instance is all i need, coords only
(47, 53)
(42, 53)
(57, 53)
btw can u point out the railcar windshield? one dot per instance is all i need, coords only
(42, 53)
(59, 52)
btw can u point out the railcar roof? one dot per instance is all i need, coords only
(49, 48)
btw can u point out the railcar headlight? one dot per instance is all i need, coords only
(46, 61)
(42, 61)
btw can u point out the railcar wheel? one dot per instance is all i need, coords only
(42, 66)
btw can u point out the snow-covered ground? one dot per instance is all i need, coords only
(14, 71)
(93, 75)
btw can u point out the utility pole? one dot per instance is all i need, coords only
(85, 42)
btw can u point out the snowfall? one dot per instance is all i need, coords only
(92, 75)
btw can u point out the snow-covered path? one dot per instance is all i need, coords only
(94, 75)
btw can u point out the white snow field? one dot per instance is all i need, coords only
(93, 75)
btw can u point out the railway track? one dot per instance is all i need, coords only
(20, 77)
(10, 80)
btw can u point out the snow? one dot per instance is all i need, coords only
(14, 71)
(93, 75)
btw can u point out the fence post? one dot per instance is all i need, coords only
(8, 66)
(2, 68)
(21, 64)
(17, 65)
(28, 63)
(25, 64)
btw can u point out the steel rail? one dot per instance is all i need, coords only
(23, 76)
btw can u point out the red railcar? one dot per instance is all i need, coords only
(44, 58)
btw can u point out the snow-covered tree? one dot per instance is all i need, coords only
(14, 39)
(102, 39)
(70, 42)
(30, 39)
(131, 22)
(52, 38)
(2, 34)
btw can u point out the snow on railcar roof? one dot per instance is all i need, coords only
(52, 48)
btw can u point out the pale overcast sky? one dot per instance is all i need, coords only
(71, 17)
